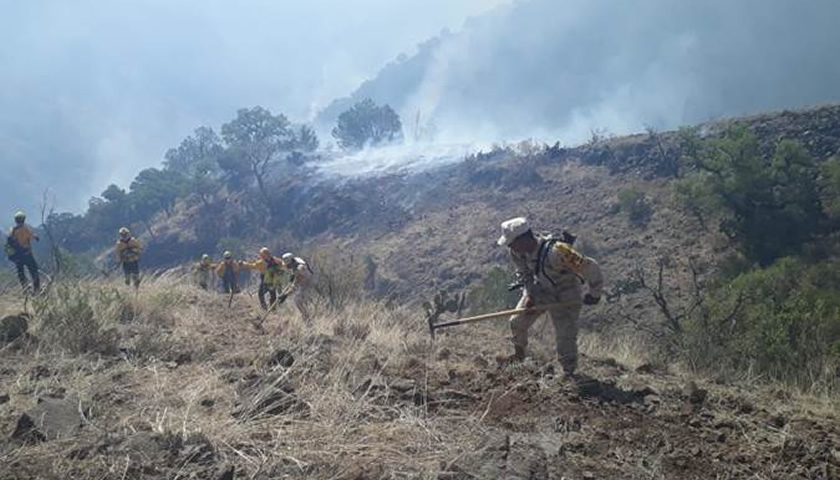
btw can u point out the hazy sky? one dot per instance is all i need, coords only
(557, 69)
(93, 90)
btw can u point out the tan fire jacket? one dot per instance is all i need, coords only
(557, 266)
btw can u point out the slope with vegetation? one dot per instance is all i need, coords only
(172, 383)
(715, 353)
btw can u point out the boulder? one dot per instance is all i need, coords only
(51, 419)
(13, 327)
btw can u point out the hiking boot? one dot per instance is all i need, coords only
(517, 356)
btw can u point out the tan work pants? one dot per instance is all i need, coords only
(565, 320)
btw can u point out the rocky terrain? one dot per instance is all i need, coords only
(180, 386)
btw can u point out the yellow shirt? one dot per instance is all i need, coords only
(261, 265)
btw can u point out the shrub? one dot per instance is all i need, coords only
(79, 319)
(635, 205)
(491, 293)
(782, 322)
(339, 279)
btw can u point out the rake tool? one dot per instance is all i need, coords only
(492, 316)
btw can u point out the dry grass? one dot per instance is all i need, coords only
(143, 389)
(365, 381)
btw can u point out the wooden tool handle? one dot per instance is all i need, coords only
(504, 313)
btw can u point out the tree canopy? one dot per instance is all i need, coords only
(365, 123)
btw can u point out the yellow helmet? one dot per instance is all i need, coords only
(228, 254)
(124, 231)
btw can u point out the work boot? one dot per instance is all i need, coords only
(518, 356)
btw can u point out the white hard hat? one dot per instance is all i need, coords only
(512, 229)
(287, 257)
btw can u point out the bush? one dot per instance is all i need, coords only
(491, 293)
(634, 204)
(78, 319)
(339, 279)
(781, 322)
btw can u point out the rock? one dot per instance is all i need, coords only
(777, 421)
(745, 407)
(403, 385)
(695, 395)
(4, 398)
(588, 387)
(373, 385)
(194, 449)
(49, 420)
(142, 447)
(26, 431)
(226, 472)
(39, 371)
(361, 472)
(13, 327)
(183, 358)
(646, 369)
(281, 357)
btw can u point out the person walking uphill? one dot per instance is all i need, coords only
(202, 271)
(271, 271)
(19, 251)
(301, 284)
(128, 251)
(228, 271)
(551, 272)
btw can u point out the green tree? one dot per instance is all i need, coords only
(106, 214)
(768, 207)
(197, 160)
(829, 183)
(154, 190)
(255, 138)
(367, 124)
(196, 155)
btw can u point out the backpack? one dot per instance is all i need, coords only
(547, 244)
(12, 248)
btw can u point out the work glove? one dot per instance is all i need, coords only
(529, 304)
(282, 298)
(588, 299)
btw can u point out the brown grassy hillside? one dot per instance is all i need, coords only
(180, 386)
(438, 228)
